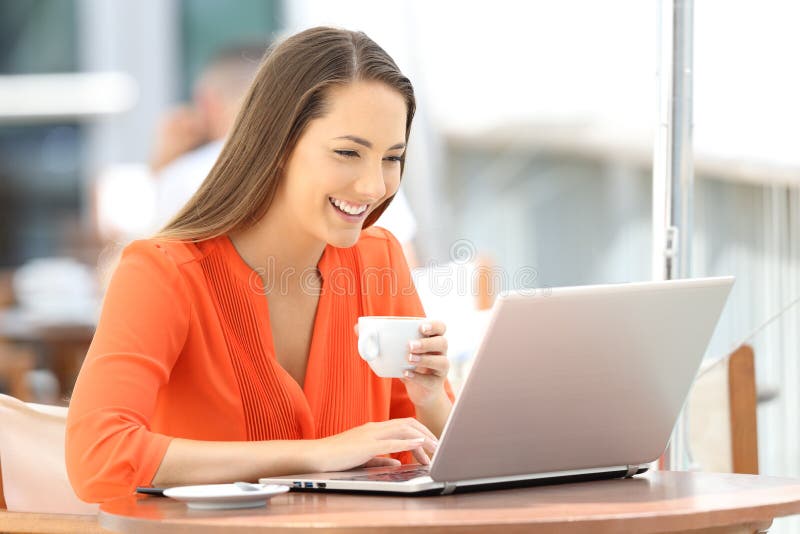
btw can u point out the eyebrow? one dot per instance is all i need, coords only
(368, 144)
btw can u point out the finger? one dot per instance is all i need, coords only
(421, 456)
(410, 374)
(429, 443)
(427, 381)
(380, 461)
(415, 424)
(432, 328)
(389, 446)
(424, 371)
(410, 428)
(435, 345)
(438, 365)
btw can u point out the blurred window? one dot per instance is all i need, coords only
(209, 25)
(40, 189)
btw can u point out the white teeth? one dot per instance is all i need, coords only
(347, 207)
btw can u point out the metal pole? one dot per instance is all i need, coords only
(673, 170)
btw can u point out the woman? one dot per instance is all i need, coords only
(226, 348)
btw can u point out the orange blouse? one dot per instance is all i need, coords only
(183, 349)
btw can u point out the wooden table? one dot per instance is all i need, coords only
(30, 523)
(661, 501)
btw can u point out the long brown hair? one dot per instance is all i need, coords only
(289, 90)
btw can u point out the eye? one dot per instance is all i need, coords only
(394, 158)
(347, 153)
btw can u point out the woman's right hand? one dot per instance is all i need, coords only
(364, 445)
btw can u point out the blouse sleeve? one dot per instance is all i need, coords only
(142, 328)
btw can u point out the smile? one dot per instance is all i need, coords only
(347, 208)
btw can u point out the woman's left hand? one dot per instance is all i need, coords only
(425, 384)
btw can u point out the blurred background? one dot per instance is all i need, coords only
(531, 154)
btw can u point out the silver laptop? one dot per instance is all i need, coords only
(577, 383)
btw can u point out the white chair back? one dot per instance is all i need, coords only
(32, 459)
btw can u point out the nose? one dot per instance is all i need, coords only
(371, 185)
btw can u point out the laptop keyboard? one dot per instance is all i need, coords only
(392, 476)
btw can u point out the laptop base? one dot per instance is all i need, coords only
(450, 489)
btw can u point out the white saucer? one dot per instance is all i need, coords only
(221, 496)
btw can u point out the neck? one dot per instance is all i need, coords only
(283, 253)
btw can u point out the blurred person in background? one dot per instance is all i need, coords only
(190, 139)
(203, 369)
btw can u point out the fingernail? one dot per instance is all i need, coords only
(418, 439)
(414, 345)
(414, 358)
(408, 374)
(426, 327)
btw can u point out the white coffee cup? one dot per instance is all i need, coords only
(383, 343)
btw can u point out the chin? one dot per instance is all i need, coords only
(344, 239)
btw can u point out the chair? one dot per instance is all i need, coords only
(33, 473)
(723, 429)
(15, 365)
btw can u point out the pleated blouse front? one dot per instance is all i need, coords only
(184, 349)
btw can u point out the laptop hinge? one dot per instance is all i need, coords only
(632, 469)
(449, 487)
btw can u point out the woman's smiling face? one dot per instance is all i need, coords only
(346, 162)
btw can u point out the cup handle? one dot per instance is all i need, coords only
(368, 346)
